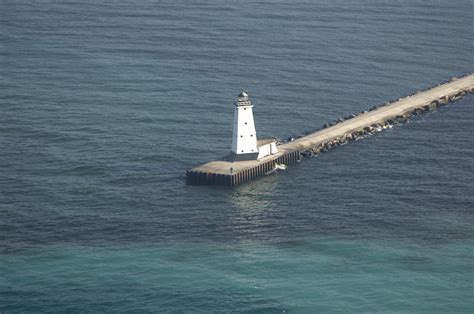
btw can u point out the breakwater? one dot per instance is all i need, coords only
(350, 128)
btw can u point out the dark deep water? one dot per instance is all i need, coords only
(105, 105)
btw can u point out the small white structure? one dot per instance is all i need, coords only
(244, 136)
(266, 147)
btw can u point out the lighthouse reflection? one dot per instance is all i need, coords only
(254, 209)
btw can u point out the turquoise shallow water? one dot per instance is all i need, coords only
(318, 274)
(104, 106)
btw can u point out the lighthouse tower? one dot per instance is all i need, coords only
(244, 136)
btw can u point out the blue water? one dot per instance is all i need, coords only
(106, 104)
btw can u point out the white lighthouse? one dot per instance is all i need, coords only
(245, 145)
(244, 136)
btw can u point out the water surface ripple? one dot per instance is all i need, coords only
(104, 106)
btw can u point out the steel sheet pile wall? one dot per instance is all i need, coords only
(260, 170)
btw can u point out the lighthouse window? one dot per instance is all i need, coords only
(245, 123)
(245, 108)
(251, 135)
(241, 136)
(242, 151)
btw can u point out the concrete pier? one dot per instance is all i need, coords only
(221, 172)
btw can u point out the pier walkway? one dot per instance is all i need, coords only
(223, 172)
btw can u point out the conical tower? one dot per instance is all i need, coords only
(244, 136)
